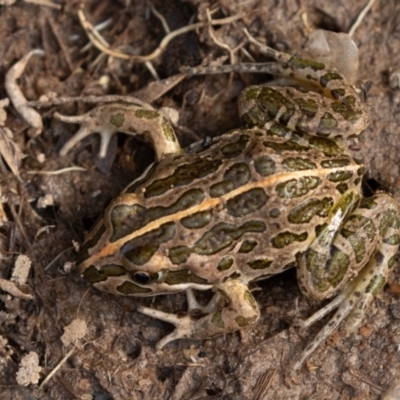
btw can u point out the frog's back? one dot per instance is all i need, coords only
(245, 203)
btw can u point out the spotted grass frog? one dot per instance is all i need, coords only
(280, 192)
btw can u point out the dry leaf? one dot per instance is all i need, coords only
(10, 151)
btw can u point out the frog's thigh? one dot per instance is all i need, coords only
(242, 309)
(372, 231)
(365, 247)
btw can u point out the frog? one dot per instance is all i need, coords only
(283, 191)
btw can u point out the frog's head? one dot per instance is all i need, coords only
(127, 253)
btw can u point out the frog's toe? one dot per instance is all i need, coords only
(183, 324)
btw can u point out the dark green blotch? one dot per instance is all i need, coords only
(248, 246)
(315, 263)
(368, 203)
(389, 220)
(338, 93)
(335, 163)
(376, 285)
(304, 212)
(235, 176)
(328, 146)
(319, 229)
(327, 273)
(330, 76)
(327, 122)
(298, 164)
(393, 240)
(94, 275)
(342, 188)
(140, 250)
(308, 107)
(131, 289)
(346, 110)
(125, 219)
(340, 176)
(358, 223)
(179, 254)
(302, 63)
(297, 187)
(117, 120)
(168, 131)
(225, 263)
(279, 131)
(197, 220)
(242, 321)
(217, 320)
(183, 176)
(358, 245)
(287, 238)
(183, 276)
(288, 145)
(234, 149)
(235, 275)
(261, 263)
(265, 165)
(361, 171)
(338, 265)
(274, 213)
(247, 202)
(268, 103)
(146, 114)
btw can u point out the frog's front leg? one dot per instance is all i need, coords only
(128, 118)
(234, 308)
(361, 256)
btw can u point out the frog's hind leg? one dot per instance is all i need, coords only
(376, 219)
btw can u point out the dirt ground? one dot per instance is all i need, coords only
(43, 213)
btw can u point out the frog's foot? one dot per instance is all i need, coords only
(239, 310)
(184, 325)
(353, 303)
(85, 130)
(344, 309)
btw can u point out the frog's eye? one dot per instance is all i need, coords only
(141, 277)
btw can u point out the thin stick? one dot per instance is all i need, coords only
(89, 99)
(58, 171)
(58, 366)
(361, 17)
(93, 37)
